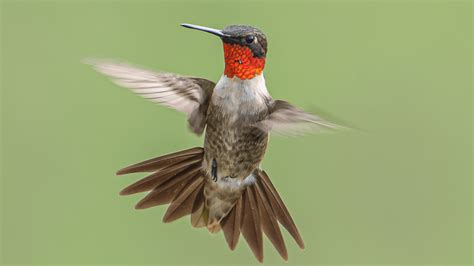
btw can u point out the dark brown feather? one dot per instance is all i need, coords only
(279, 208)
(251, 227)
(231, 224)
(166, 191)
(183, 203)
(269, 222)
(198, 212)
(161, 161)
(161, 176)
(199, 215)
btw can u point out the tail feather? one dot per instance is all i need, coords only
(269, 222)
(183, 203)
(200, 214)
(156, 179)
(279, 208)
(231, 225)
(251, 227)
(161, 161)
(167, 191)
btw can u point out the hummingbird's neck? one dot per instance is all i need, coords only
(240, 62)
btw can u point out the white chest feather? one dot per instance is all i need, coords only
(236, 96)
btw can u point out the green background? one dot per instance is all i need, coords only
(398, 191)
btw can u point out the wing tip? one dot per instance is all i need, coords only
(88, 61)
(94, 61)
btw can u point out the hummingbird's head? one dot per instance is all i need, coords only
(245, 49)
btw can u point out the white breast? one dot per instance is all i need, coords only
(238, 96)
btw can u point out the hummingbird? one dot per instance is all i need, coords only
(220, 185)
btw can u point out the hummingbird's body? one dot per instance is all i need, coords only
(232, 141)
(220, 185)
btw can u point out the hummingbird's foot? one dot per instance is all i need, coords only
(214, 170)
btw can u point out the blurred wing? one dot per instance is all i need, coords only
(185, 94)
(287, 119)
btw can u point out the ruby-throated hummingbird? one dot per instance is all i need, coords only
(220, 185)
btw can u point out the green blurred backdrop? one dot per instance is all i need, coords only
(396, 192)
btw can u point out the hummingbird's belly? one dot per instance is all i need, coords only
(237, 150)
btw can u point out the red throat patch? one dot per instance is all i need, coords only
(240, 62)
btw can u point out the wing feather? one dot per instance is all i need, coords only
(287, 119)
(185, 94)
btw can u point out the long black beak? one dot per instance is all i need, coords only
(206, 29)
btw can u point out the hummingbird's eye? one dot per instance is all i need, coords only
(249, 39)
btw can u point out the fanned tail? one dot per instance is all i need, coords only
(177, 179)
